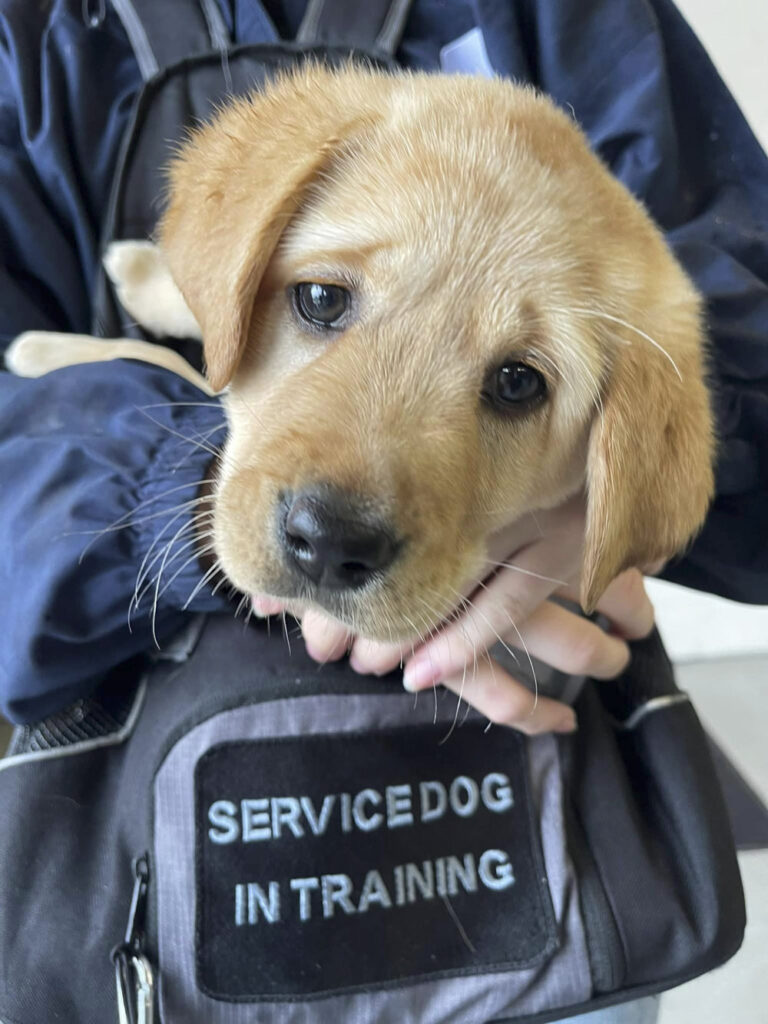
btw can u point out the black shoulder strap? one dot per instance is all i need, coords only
(163, 32)
(375, 26)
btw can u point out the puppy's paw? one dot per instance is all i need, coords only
(34, 353)
(131, 263)
(39, 352)
(147, 291)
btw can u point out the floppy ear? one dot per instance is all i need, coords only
(234, 187)
(649, 468)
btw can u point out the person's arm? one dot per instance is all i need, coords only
(92, 457)
(101, 471)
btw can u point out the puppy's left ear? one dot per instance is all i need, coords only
(649, 468)
(235, 187)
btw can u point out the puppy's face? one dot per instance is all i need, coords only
(436, 312)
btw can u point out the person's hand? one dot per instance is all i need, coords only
(509, 604)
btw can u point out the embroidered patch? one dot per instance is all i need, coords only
(333, 862)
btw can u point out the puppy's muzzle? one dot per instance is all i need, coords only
(330, 539)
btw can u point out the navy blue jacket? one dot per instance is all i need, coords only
(88, 449)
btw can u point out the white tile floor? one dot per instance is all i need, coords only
(736, 993)
(731, 696)
(699, 626)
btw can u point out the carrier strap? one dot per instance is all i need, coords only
(163, 32)
(375, 26)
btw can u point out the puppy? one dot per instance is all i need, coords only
(148, 293)
(431, 311)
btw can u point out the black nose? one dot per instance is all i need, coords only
(331, 542)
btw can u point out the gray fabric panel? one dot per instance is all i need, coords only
(565, 980)
(473, 999)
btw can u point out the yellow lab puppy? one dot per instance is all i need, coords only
(433, 312)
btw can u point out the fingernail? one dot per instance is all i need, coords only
(419, 674)
(568, 723)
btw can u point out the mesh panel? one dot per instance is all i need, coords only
(94, 717)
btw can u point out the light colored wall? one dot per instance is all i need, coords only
(735, 32)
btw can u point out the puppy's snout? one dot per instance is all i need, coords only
(332, 543)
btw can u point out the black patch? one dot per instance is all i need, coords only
(444, 922)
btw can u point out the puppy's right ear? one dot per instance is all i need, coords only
(651, 451)
(235, 186)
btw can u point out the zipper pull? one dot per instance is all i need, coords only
(134, 979)
(134, 933)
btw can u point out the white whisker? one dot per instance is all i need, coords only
(146, 565)
(623, 323)
(126, 520)
(168, 548)
(205, 578)
(527, 654)
(197, 554)
(527, 572)
(215, 452)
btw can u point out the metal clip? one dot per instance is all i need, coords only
(134, 933)
(134, 980)
(122, 1011)
(122, 985)
(144, 989)
(135, 986)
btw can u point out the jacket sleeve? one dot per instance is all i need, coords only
(636, 78)
(100, 468)
(100, 464)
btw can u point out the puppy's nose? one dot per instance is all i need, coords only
(333, 545)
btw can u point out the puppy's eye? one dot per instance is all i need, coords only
(514, 386)
(321, 305)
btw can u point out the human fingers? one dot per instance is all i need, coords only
(369, 657)
(503, 700)
(571, 643)
(325, 638)
(497, 608)
(502, 603)
(625, 604)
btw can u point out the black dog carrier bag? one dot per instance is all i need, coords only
(241, 837)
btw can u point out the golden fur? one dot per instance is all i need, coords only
(475, 226)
